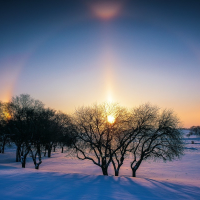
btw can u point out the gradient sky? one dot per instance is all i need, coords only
(73, 53)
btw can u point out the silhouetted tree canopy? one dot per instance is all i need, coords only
(145, 132)
(102, 133)
(32, 127)
(96, 136)
(159, 136)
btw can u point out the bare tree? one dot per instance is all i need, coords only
(32, 127)
(147, 134)
(97, 127)
(103, 134)
(159, 138)
(44, 132)
(23, 109)
(138, 122)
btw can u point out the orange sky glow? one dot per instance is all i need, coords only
(103, 51)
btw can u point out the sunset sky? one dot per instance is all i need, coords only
(78, 52)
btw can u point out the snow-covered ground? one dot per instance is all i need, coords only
(63, 177)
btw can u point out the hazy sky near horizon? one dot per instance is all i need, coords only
(73, 53)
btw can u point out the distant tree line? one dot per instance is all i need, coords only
(194, 130)
(142, 133)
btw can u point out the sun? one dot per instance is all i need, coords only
(111, 119)
(7, 115)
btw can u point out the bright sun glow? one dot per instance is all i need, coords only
(109, 99)
(111, 119)
(7, 115)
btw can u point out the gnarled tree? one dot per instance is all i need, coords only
(159, 138)
(97, 128)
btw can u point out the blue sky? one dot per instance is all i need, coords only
(73, 53)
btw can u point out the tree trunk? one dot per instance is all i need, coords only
(23, 158)
(23, 164)
(22, 150)
(49, 151)
(116, 169)
(54, 148)
(39, 157)
(34, 157)
(45, 151)
(116, 172)
(104, 167)
(134, 169)
(3, 146)
(133, 172)
(23, 161)
(37, 166)
(117, 163)
(18, 154)
(62, 150)
(105, 171)
(2, 150)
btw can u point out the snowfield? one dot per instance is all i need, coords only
(64, 177)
